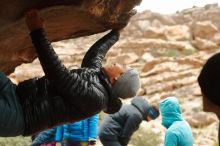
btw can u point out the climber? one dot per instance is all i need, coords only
(62, 95)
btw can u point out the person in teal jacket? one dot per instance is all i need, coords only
(82, 133)
(178, 132)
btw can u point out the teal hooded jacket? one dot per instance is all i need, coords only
(178, 132)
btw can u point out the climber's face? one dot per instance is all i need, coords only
(114, 71)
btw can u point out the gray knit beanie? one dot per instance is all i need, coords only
(127, 85)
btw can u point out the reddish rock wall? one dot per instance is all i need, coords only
(64, 19)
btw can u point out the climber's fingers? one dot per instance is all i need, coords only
(33, 20)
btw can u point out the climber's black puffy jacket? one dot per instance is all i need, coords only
(64, 95)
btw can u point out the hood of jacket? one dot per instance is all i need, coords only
(142, 105)
(170, 111)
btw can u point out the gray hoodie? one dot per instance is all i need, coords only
(121, 125)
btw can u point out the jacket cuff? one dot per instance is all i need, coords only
(116, 33)
(37, 34)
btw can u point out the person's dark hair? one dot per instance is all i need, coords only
(209, 79)
(153, 112)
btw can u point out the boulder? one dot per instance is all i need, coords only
(63, 20)
(173, 33)
(204, 29)
(124, 59)
(204, 44)
(201, 119)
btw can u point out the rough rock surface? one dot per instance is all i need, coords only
(64, 19)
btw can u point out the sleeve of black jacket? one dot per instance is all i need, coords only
(131, 125)
(44, 137)
(97, 51)
(53, 68)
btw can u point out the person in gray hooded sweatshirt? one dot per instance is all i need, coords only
(118, 128)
